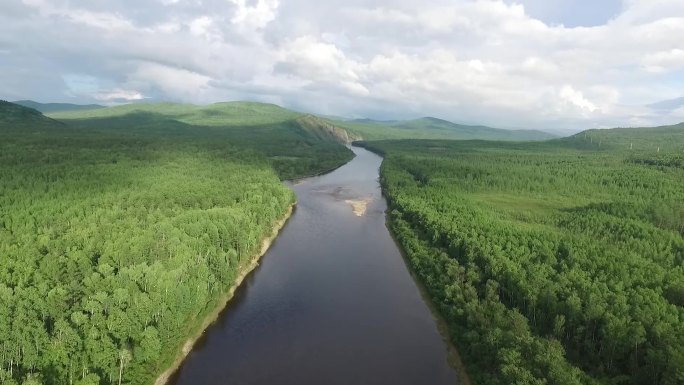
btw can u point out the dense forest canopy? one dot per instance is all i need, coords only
(559, 262)
(118, 235)
(227, 114)
(293, 147)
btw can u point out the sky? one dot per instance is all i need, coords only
(547, 64)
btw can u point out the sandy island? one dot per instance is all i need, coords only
(359, 206)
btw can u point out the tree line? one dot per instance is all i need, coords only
(116, 242)
(552, 264)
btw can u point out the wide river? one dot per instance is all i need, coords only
(331, 303)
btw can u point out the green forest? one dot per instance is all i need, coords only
(434, 128)
(558, 262)
(293, 145)
(120, 233)
(122, 229)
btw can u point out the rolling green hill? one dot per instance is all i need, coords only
(663, 138)
(242, 114)
(294, 143)
(433, 128)
(557, 262)
(56, 107)
(121, 232)
(15, 117)
(229, 114)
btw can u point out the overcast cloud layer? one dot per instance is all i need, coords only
(535, 63)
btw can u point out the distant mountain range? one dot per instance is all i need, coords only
(435, 128)
(230, 113)
(440, 124)
(175, 117)
(47, 108)
(368, 129)
(252, 113)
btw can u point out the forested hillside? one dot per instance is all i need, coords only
(56, 107)
(433, 128)
(20, 118)
(558, 262)
(228, 114)
(119, 236)
(293, 147)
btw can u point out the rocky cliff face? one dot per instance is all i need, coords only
(326, 130)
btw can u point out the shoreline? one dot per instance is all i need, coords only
(213, 316)
(453, 354)
(301, 179)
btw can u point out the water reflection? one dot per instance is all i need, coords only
(331, 303)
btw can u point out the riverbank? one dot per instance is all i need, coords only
(359, 207)
(214, 315)
(453, 354)
(325, 309)
(301, 179)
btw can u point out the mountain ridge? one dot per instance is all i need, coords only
(57, 107)
(429, 127)
(15, 116)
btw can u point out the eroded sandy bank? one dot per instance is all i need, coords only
(214, 315)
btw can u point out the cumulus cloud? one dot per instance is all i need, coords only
(322, 62)
(172, 81)
(119, 95)
(256, 15)
(511, 63)
(665, 61)
(576, 99)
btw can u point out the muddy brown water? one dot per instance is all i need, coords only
(332, 301)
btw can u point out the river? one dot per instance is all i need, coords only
(332, 301)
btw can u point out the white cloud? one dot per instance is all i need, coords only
(201, 26)
(575, 98)
(82, 85)
(679, 113)
(257, 15)
(665, 61)
(119, 95)
(314, 60)
(181, 83)
(482, 61)
(101, 20)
